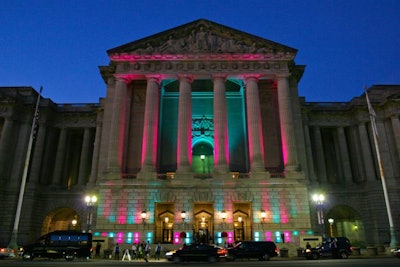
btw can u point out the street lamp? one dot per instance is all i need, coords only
(223, 216)
(331, 221)
(203, 157)
(263, 215)
(90, 202)
(143, 215)
(183, 216)
(74, 223)
(319, 203)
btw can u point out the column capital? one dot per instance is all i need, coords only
(282, 75)
(123, 78)
(155, 78)
(251, 77)
(219, 76)
(188, 77)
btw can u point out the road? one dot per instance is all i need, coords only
(351, 262)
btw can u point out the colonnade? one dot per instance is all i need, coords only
(117, 125)
(355, 152)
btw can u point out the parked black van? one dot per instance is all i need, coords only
(60, 244)
(262, 250)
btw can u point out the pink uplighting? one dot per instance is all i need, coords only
(268, 236)
(177, 239)
(107, 203)
(136, 237)
(284, 149)
(230, 237)
(120, 237)
(287, 236)
(122, 208)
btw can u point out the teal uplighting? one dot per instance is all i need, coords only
(278, 238)
(310, 232)
(149, 237)
(111, 234)
(96, 234)
(295, 233)
(256, 236)
(129, 237)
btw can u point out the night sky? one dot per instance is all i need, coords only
(345, 44)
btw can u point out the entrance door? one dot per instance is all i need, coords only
(203, 223)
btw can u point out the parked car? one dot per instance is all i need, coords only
(199, 252)
(60, 244)
(337, 247)
(262, 250)
(169, 254)
(6, 252)
(396, 252)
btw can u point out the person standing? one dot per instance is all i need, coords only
(98, 247)
(116, 252)
(134, 251)
(146, 251)
(158, 252)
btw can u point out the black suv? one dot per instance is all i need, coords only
(262, 250)
(335, 247)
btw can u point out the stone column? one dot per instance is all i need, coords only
(311, 169)
(290, 158)
(221, 153)
(18, 153)
(396, 132)
(254, 124)
(344, 155)
(385, 150)
(184, 125)
(5, 140)
(38, 154)
(369, 170)
(150, 129)
(322, 177)
(60, 156)
(83, 163)
(117, 131)
(96, 149)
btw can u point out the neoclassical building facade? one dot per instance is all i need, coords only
(201, 136)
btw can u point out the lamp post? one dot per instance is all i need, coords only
(203, 157)
(223, 216)
(319, 203)
(73, 223)
(144, 216)
(263, 215)
(90, 203)
(331, 221)
(183, 216)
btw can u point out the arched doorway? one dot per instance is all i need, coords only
(203, 226)
(345, 221)
(203, 158)
(61, 219)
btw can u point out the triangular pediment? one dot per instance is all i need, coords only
(202, 37)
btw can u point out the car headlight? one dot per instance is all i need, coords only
(308, 250)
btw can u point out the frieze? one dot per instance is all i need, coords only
(173, 67)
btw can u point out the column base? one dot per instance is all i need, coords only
(183, 175)
(147, 175)
(294, 175)
(260, 175)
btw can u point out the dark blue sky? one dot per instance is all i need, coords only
(345, 44)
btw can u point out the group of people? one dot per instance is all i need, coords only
(140, 251)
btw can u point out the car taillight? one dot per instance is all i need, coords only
(2, 250)
(276, 250)
(351, 248)
(221, 251)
